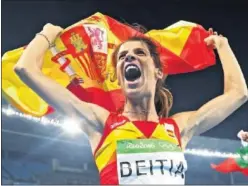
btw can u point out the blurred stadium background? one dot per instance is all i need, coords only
(40, 152)
(36, 152)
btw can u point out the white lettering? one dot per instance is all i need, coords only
(140, 146)
(163, 145)
(117, 124)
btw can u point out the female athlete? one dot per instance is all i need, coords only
(142, 144)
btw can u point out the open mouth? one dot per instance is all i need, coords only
(132, 72)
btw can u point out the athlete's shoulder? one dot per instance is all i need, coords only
(168, 121)
(171, 126)
(114, 120)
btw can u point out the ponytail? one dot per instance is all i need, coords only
(163, 100)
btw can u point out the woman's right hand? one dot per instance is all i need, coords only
(51, 31)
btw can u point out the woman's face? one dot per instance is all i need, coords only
(136, 70)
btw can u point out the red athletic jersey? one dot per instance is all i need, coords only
(119, 127)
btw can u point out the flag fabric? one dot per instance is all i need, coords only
(239, 164)
(81, 61)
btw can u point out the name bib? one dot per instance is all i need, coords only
(150, 161)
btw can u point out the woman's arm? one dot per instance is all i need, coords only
(215, 111)
(28, 68)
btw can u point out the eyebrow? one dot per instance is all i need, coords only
(137, 49)
(125, 51)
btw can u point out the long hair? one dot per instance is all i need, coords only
(163, 98)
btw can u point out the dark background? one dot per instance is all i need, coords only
(22, 19)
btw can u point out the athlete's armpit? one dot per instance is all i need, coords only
(209, 115)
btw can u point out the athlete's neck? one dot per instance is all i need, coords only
(142, 109)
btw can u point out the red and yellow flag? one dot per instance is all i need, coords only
(84, 50)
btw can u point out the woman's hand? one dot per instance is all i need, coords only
(215, 41)
(51, 31)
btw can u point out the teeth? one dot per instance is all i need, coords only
(131, 67)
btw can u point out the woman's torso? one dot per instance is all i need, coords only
(132, 152)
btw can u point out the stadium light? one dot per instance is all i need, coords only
(68, 125)
(208, 153)
(71, 126)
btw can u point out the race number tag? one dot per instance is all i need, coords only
(150, 161)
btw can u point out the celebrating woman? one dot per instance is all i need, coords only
(141, 144)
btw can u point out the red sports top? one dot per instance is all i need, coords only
(119, 127)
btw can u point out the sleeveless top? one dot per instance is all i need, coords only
(135, 152)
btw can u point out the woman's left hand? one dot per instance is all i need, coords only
(215, 40)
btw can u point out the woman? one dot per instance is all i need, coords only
(130, 147)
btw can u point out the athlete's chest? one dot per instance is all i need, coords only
(140, 148)
(142, 130)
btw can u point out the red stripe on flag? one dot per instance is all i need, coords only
(83, 66)
(59, 55)
(120, 30)
(90, 65)
(98, 96)
(67, 62)
(110, 100)
(195, 52)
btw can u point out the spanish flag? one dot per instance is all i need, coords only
(81, 61)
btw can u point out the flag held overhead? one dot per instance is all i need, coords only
(81, 61)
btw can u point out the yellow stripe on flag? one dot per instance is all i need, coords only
(15, 91)
(173, 37)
